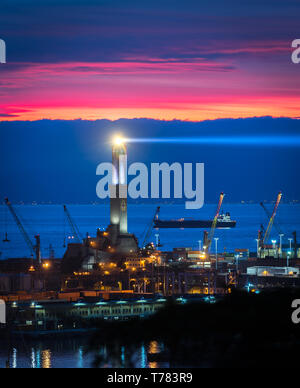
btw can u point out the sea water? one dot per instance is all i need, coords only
(49, 221)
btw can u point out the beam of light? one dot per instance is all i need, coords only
(118, 140)
(283, 141)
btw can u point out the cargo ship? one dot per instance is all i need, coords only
(224, 222)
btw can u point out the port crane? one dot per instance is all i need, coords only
(6, 240)
(149, 231)
(74, 227)
(269, 215)
(35, 250)
(209, 237)
(271, 222)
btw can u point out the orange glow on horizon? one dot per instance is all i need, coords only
(276, 108)
(195, 91)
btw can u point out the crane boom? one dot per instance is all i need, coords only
(27, 239)
(269, 216)
(214, 224)
(271, 222)
(149, 231)
(72, 224)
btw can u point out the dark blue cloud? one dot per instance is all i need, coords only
(56, 160)
(69, 30)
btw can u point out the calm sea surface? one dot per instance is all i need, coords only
(50, 222)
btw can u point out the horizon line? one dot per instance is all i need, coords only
(150, 118)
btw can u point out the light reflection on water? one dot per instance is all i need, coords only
(68, 354)
(155, 347)
(46, 359)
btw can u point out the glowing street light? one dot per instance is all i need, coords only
(237, 256)
(200, 245)
(46, 265)
(216, 241)
(290, 240)
(280, 236)
(257, 246)
(157, 239)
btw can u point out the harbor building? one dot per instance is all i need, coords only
(61, 316)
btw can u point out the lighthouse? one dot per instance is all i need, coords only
(118, 188)
(117, 234)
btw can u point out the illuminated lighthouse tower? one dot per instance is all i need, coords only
(118, 189)
(121, 241)
(114, 244)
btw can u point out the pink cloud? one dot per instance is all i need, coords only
(150, 87)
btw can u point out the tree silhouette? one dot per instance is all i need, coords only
(242, 330)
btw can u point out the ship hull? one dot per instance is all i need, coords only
(190, 224)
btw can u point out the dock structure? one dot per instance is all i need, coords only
(43, 318)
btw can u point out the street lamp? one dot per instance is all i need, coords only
(280, 249)
(274, 244)
(257, 246)
(200, 245)
(216, 241)
(157, 239)
(290, 240)
(237, 256)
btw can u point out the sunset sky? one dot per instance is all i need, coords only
(168, 59)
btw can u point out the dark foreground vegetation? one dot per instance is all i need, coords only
(243, 330)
